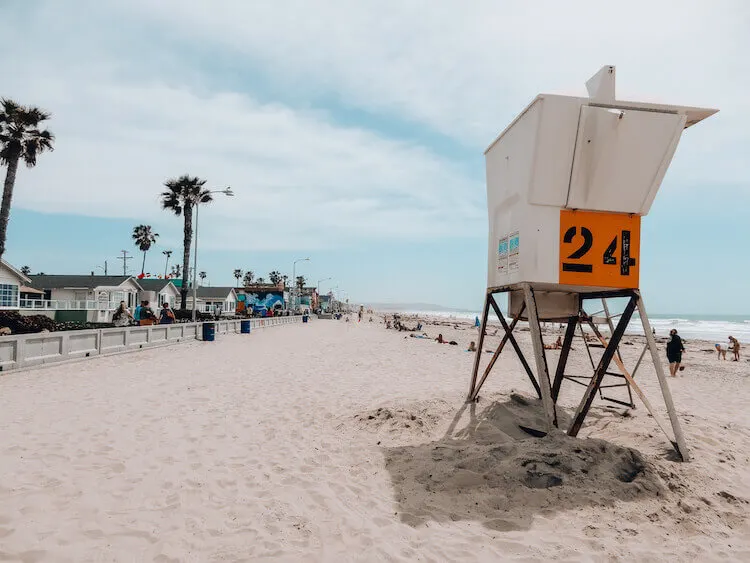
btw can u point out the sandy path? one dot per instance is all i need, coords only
(262, 446)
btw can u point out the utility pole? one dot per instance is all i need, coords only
(125, 257)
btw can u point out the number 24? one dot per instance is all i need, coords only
(608, 258)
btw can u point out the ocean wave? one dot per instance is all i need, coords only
(713, 330)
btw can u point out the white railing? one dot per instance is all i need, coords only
(206, 308)
(28, 350)
(86, 305)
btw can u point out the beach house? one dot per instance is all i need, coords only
(214, 299)
(159, 291)
(82, 298)
(12, 284)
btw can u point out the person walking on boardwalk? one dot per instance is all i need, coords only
(166, 316)
(148, 317)
(675, 349)
(137, 313)
(122, 315)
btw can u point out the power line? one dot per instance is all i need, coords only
(125, 257)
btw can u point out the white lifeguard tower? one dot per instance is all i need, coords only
(567, 184)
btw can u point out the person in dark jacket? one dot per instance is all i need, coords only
(166, 316)
(675, 349)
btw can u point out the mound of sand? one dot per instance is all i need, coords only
(506, 484)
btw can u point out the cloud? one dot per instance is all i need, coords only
(301, 180)
(256, 94)
(465, 70)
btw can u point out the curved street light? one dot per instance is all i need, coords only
(294, 280)
(227, 192)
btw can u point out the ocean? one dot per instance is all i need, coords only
(715, 328)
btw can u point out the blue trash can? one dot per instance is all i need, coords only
(209, 332)
(244, 327)
(304, 318)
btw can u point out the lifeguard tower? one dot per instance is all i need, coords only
(567, 184)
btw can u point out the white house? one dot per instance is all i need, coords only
(84, 298)
(11, 283)
(157, 292)
(211, 299)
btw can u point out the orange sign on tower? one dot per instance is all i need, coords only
(599, 249)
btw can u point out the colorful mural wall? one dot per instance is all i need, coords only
(264, 300)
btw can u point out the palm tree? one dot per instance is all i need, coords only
(26, 270)
(284, 278)
(249, 276)
(301, 281)
(181, 195)
(144, 237)
(176, 271)
(260, 280)
(166, 253)
(237, 275)
(275, 277)
(20, 138)
(202, 276)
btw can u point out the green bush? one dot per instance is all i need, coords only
(21, 324)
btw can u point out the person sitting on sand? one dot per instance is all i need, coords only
(556, 346)
(735, 348)
(674, 352)
(472, 347)
(722, 352)
(439, 339)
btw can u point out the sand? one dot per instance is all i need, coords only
(336, 441)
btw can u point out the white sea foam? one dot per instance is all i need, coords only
(713, 330)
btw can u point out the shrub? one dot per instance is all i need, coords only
(186, 316)
(20, 324)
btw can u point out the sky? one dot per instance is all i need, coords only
(353, 133)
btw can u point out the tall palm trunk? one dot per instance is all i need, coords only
(10, 180)
(143, 266)
(187, 240)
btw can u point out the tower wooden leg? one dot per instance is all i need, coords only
(497, 353)
(681, 445)
(601, 368)
(563, 360)
(478, 355)
(541, 361)
(516, 347)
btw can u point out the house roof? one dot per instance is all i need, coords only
(16, 271)
(89, 282)
(214, 292)
(26, 289)
(155, 284)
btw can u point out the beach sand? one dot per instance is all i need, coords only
(335, 441)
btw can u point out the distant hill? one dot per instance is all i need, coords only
(414, 307)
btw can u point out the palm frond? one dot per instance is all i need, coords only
(20, 136)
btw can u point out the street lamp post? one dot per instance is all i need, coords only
(294, 281)
(227, 192)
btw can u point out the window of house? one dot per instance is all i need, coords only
(8, 295)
